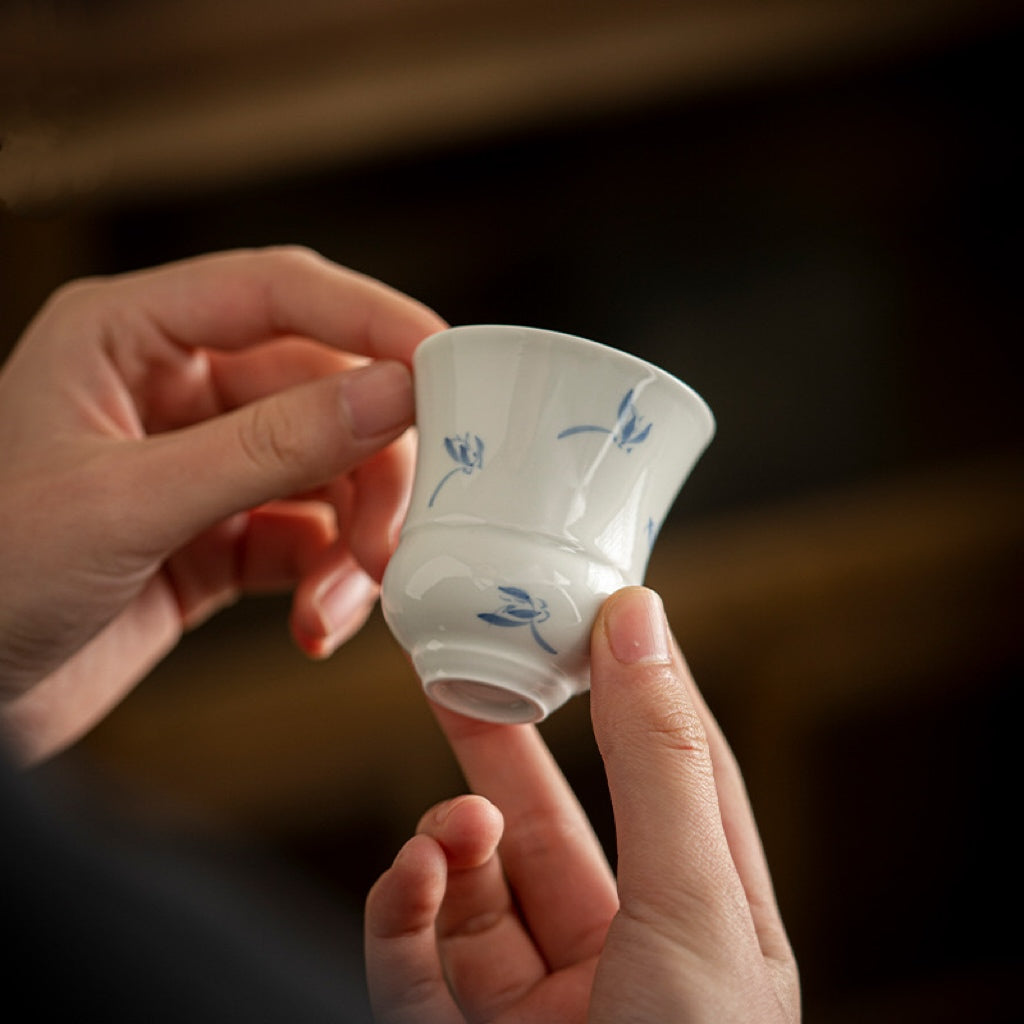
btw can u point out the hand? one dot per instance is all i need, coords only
(503, 909)
(174, 437)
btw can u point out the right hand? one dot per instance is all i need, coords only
(503, 909)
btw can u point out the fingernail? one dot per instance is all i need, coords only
(339, 601)
(636, 627)
(377, 398)
(444, 811)
(403, 853)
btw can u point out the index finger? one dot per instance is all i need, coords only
(553, 860)
(235, 299)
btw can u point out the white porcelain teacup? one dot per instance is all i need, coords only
(546, 466)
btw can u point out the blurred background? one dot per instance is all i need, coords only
(807, 209)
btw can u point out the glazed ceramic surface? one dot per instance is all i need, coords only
(546, 465)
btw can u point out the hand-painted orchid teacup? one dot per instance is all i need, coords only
(545, 468)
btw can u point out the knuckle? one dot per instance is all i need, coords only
(270, 440)
(659, 711)
(541, 835)
(301, 257)
(72, 292)
(419, 993)
(679, 728)
(71, 297)
(670, 721)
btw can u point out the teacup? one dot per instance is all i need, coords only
(546, 465)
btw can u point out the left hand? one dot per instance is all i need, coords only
(174, 437)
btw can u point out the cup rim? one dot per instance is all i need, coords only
(571, 341)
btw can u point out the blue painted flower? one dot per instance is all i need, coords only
(467, 453)
(629, 430)
(520, 609)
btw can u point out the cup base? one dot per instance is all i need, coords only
(489, 686)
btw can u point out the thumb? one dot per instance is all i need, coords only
(674, 866)
(290, 442)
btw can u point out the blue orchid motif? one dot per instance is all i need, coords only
(520, 609)
(467, 453)
(629, 429)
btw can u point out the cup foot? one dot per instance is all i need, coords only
(487, 685)
(482, 700)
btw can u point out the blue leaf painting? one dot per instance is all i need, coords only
(541, 642)
(467, 452)
(629, 430)
(627, 399)
(520, 609)
(497, 620)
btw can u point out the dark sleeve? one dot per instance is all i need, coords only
(98, 928)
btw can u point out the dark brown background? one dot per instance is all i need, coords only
(811, 213)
